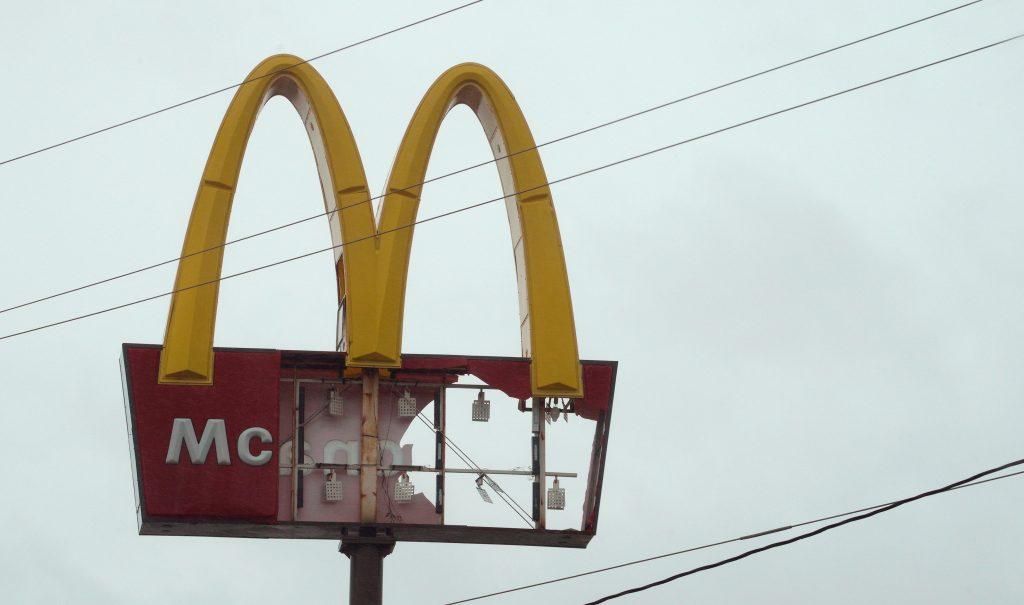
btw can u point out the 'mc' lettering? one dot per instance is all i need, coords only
(244, 441)
(215, 435)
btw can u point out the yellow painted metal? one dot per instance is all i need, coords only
(372, 267)
(187, 356)
(545, 307)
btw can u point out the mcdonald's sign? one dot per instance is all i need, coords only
(236, 441)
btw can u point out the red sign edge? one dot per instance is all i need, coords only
(198, 526)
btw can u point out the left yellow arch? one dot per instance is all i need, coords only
(187, 356)
(372, 267)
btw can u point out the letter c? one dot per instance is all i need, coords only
(243, 446)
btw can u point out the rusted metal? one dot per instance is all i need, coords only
(440, 451)
(596, 460)
(475, 387)
(415, 468)
(540, 476)
(297, 453)
(300, 444)
(604, 423)
(299, 528)
(324, 465)
(369, 451)
(453, 534)
(419, 468)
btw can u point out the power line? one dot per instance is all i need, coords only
(511, 502)
(527, 190)
(707, 546)
(560, 139)
(710, 545)
(233, 86)
(505, 497)
(492, 481)
(810, 534)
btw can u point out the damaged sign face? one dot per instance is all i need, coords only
(220, 459)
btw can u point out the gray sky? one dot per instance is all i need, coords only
(811, 314)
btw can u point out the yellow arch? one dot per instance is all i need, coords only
(545, 307)
(187, 357)
(372, 268)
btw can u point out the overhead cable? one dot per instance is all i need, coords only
(527, 190)
(809, 534)
(559, 139)
(750, 536)
(233, 86)
(505, 496)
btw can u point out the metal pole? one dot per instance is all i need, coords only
(366, 551)
(369, 454)
(540, 481)
(440, 414)
(298, 452)
(366, 569)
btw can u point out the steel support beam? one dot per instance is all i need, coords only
(369, 452)
(539, 464)
(366, 569)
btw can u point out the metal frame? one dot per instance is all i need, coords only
(414, 468)
(538, 536)
(440, 449)
(539, 450)
(308, 530)
(298, 452)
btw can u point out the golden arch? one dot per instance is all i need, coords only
(372, 257)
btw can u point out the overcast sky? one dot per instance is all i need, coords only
(812, 314)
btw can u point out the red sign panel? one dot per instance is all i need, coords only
(219, 460)
(188, 439)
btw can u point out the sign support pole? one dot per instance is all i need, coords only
(366, 568)
(369, 449)
(366, 551)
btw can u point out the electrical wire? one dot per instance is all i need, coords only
(510, 501)
(513, 505)
(507, 498)
(711, 545)
(233, 86)
(309, 420)
(385, 482)
(527, 190)
(809, 534)
(472, 464)
(560, 139)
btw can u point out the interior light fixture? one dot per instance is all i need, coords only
(332, 488)
(404, 489)
(556, 497)
(481, 408)
(335, 403)
(406, 405)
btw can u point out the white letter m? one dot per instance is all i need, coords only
(183, 433)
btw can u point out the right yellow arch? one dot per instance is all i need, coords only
(373, 259)
(547, 327)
